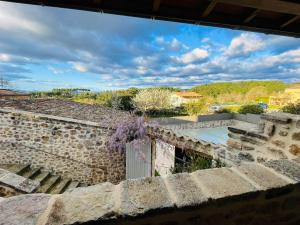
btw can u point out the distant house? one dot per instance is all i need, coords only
(10, 94)
(179, 98)
(78, 91)
(290, 95)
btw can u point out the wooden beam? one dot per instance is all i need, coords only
(268, 5)
(251, 16)
(156, 5)
(98, 1)
(290, 21)
(209, 8)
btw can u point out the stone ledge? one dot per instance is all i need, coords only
(248, 133)
(50, 117)
(285, 167)
(283, 118)
(149, 196)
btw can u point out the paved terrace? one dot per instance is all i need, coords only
(266, 193)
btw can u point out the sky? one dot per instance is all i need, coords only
(43, 48)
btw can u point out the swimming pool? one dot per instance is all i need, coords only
(217, 135)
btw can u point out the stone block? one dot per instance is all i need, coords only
(233, 136)
(279, 143)
(285, 167)
(236, 130)
(222, 182)
(234, 144)
(245, 156)
(248, 148)
(23, 210)
(88, 204)
(186, 190)
(298, 124)
(277, 153)
(142, 195)
(283, 133)
(261, 176)
(296, 136)
(295, 150)
(250, 140)
(270, 129)
(276, 117)
(259, 136)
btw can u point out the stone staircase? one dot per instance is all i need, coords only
(49, 183)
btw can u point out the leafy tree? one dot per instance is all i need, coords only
(153, 99)
(121, 102)
(253, 109)
(292, 108)
(195, 108)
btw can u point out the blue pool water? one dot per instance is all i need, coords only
(217, 135)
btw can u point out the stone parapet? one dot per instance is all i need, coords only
(247, 194)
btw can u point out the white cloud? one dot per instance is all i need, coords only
(205, 40)
(4, 57)
(192, 56)
(11, 18)
(244, 44)
(160, 40)
(80, 67)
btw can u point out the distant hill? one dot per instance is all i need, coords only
(242, 87)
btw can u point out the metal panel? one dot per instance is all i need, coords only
(136, 165)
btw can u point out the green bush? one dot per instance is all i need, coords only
(292, 108)
(224, 110)
(253, 109)
(121, 102)
(195, 108)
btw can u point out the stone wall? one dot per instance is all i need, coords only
(278, 137)
(72, 148)
(248, 194)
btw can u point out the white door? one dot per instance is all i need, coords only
(138, 161)
(165, 158)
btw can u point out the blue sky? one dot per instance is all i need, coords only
(43, 48)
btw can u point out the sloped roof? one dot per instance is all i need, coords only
(188, 94)
(7, 92)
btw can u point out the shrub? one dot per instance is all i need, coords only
(195, 108)
(121, 103)
(224, 110)
(166, 112)
(153, 99)
(292, 108)
(198, 163)
(253, 109)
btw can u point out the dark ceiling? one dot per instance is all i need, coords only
(268, 16)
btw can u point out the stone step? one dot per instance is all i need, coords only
(72, 185)
(33, 172)
(23, 169)
(61, 186)
(42, 177)
(13, 168)
(49, 184)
